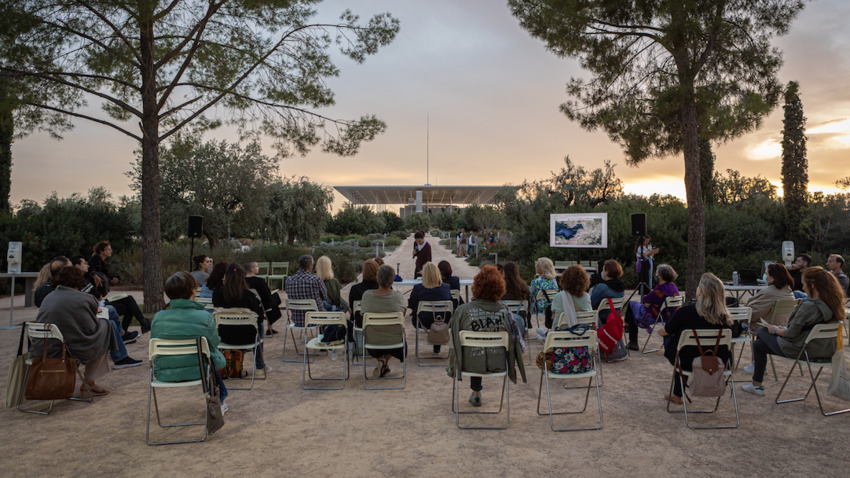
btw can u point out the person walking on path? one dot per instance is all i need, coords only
(421, 252)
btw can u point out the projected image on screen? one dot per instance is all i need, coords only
(578, 230)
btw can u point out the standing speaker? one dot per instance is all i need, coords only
(639, 224)
(196, 226)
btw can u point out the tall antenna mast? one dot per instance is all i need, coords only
(428, 149)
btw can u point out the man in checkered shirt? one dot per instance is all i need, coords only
(304, 285)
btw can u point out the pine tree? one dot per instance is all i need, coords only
(795, 166)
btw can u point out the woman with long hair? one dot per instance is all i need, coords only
(236, 294)
(484, 313)
(516, 289)
(709, 312)
(826, 305)
(446, 273)
(325, 271)
(779, 287)
(643, 253)
(432, 288)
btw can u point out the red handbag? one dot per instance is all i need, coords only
(612, 332)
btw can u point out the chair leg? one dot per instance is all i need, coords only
(814, 378)
(21, 397)
(651, 330)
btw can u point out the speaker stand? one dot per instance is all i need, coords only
(192, 253)
(642, 286)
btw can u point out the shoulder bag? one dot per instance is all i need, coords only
(51, 378)
(215, 417)
(16, 374)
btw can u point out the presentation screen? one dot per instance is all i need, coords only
(588, 230)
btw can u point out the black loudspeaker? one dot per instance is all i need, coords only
(196, 226)
(639, 224)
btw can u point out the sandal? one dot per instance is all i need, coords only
(385, 371)
(379, 370)
(674, 399)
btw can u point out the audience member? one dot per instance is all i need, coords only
(572, 298)
(452, 280)
(516, 288)
(826, 304)
(186, 319)
(834, 264)
(612, 287)
(305, 285)
(384, 299)
(271, 301)
(803, 262)
(201, 265)
(432, 288)
(236, 294)
(645, 312)
(214, 281)
(779, 283)
(485, 313)
(325, 271)
(544, 280)
(102, 252)
(369, 281)
(709, 312)
(46, 287)
(75, 313)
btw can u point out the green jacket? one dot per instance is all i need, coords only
(185, 319)
(810, 313)
(489, 316)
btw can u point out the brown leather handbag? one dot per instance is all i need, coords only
(51, 378)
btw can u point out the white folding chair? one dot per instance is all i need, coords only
(483, 340)
(563, 339)
(517, 307)
(357, 333)
(743, 316)
(668, 308)
(386, 319)
(325, 319)
(780, 308)
(277, 272)
(707, 338)
(547, 295)
(206, 302)
(45, 332)
(819, 332)
(587, 318)
(246, 318)
(436, 308)
(306, 305)
(172, 348)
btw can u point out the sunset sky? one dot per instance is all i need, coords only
(492, 94)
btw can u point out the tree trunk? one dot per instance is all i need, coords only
(696, 211)
(7, 129)
(290, 237)
(151, 234)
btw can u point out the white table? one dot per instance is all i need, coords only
(740, 290)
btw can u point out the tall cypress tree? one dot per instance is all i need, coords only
(795, 166)
(706, 170)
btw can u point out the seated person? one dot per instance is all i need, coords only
(369, 281)
(186, 319)
(325, 271)
(432, 288)
(484, 313)
(304, 285)
(214, 281)
(611, 288)
(573, 296)
(201, 265)
(779, 283)
(516, 289)
(271, 301)
(46, 287)
(384, 299)
(544, 280)
(826, 304)
(709, 312)
(380, 261)
(452, 280)
(88, 337)
(236, 294)
(645, 312)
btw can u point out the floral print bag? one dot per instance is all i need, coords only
(566, 360)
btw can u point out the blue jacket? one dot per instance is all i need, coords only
(610, 289)
(185, 319)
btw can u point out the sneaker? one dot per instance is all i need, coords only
(130, 337)
(749, 369)
(224, 408)
(475, 400)
(126, 362)
(750, 388)
(541, 331)
(634, 346)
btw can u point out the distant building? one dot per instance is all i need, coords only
(419, 198)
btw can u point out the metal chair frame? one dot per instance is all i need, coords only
(543, 294)
(308, 305)
(374, 319)
(275, 266)
(588, 318)
(434, 307)
(707, 337)
(323, 319)
(820, 331)
(670, 302)
(47, 332)
(743, 315)
(558, 339)
(163, 347)
(781, 307)
(224, 316)
(356, 332)
(485, 340)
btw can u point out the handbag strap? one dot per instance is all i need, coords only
(201, 364)
(21, 342)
